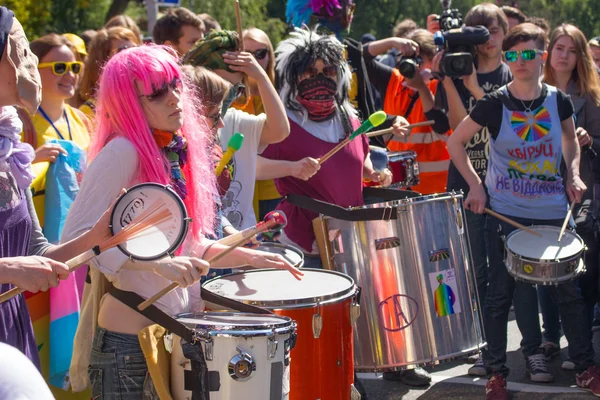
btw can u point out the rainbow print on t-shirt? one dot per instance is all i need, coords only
(531, 126)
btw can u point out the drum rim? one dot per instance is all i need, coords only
(182, 235)
(533, 279)
(286, 246)
(414, 200)
(287, 325)
(545, 260)
(306, 302)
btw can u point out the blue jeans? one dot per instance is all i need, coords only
(501, 289)
(477, 228)
(588, 283)
(118, 369)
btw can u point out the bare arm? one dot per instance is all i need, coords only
(572, 153)
(404, 46)
(272, 169)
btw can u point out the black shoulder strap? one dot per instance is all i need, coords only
(411, 105)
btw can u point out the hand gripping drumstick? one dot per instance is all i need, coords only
(374, 120)
(148, 218)
(389, 130)
(511, 222)
(234, 144)
(147, 303)
(273, 221)
(566, 221)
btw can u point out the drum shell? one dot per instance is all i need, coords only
(323, 367)
(253, 342)
(404, 168)
(398, 326)
(543, 272)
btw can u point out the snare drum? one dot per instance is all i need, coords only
(324, 305)
(247, 355)
(544, 260)
(405, 169)
(293, 255)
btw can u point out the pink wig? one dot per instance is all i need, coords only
(120, 113)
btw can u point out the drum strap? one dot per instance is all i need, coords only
(362, 214)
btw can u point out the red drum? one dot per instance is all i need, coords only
(325, 306)
(405, 169)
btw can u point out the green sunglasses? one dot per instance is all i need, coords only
(527, 55)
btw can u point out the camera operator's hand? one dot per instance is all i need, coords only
(399, 127)
(435, 63)
(406, 46)
(417, 82)
(472, 85)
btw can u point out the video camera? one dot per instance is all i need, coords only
(458, 41)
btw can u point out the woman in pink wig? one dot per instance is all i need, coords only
(147, 114)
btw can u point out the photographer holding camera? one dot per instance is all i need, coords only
(457, 96)
(408, 91)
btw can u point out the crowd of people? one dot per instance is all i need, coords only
(84, 116)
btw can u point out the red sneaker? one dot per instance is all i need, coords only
(590, 380)
(496, 388)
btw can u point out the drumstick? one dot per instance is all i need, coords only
(147, 303)
(273, 221)
(566, 221)
(513, 223)
(375, 119)
(389, 130)
(148, 218)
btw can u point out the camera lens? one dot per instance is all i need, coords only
(458, 64)
(408, 67)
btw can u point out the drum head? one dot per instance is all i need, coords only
(273, 288)
(232, 321)
(547, 247)
(290, 253)
(159, 240)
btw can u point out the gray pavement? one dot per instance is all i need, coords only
(450, 380)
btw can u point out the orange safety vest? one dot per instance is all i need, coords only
(432, 153)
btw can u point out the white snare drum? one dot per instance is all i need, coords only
(247, 355)
(544, 260)
(160, 240)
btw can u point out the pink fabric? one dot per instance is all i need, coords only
(339, 181)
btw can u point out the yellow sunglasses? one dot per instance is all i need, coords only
(61, 67)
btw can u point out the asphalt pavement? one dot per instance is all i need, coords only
(451, 381)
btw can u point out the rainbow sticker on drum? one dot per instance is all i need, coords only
(438, 255)
(445, 292)
(387, 243)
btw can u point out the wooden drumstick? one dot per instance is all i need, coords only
(147, 303)
(390, 130)
(150, 217)
(275, 220)
(375, 119)
(513, 223)
(566, 221)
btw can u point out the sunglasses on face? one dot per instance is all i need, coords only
(161, 93)
(61, 67)
(329, 71)
(527, 55)
(260, 54)
(215, 117)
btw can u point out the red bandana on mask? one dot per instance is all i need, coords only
(317, 95)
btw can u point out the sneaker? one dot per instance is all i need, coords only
(568, 365)
(496, 388)
(537, 369)
(550, 349)
(410, 377)
(478, 369)
(590, 380)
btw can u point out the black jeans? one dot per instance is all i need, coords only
(501, 289)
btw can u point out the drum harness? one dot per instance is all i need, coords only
(199, 380)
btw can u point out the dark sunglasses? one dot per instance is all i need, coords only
(527, 55)
(329, 71)
(215, 117)
(260, 54)
(161, 93)
(60, 68)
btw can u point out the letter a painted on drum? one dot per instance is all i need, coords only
(393, 317)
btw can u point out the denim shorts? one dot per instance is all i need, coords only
(118, 369)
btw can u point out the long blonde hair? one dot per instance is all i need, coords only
(261, 37)
(584, 75)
